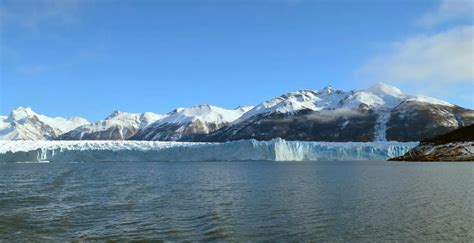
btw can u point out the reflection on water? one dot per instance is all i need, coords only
(237, 201)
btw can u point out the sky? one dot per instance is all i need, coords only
(90, 57)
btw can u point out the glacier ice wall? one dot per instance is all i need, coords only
(380, 133)
(244, 150)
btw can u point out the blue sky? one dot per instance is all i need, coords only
(88, 58)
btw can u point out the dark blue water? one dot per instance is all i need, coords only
(347, 201)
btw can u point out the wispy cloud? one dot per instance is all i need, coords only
(447, 11)
(445, 58)
(438, 62)
(34, 13)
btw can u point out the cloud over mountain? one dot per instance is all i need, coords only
(437, 61)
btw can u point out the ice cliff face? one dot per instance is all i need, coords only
(117, 126)
(25, 124)
(190, 124)
(275, 150)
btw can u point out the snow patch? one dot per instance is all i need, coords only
(381, 89)
(203, 113)
(429, 100)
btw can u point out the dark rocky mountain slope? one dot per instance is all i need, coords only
(457, 145)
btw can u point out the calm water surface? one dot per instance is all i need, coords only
(346, 201)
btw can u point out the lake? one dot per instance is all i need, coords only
(240, 201)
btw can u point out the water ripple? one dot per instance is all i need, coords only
(239, 201)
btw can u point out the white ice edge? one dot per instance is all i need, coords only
(244, 150)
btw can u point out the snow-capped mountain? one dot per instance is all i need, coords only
(378, 96)
(381, 112)
(378, 113)
(189, 124)
(24, 124)
(148, 118)
(117, 126)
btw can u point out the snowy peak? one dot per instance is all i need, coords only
(285, 103)
(328, 89)
(195, 110)
(426, 99)
(381, 89)
(243, 108)
(122, 116)
(25, 124)
(204, 113)
(293, 102)
(63, 124)
(127, 119)
(117, 126)
(20, 113)
(190, 123)
(392, 96)
(114, 114)
(148, 118)
(378, 96)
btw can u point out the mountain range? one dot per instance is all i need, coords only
(25, 124)
(378, 113)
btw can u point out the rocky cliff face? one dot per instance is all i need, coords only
(457, 145)
(415, 121)
(305, 125)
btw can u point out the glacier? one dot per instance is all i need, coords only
(243, 150)
(380, 129)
